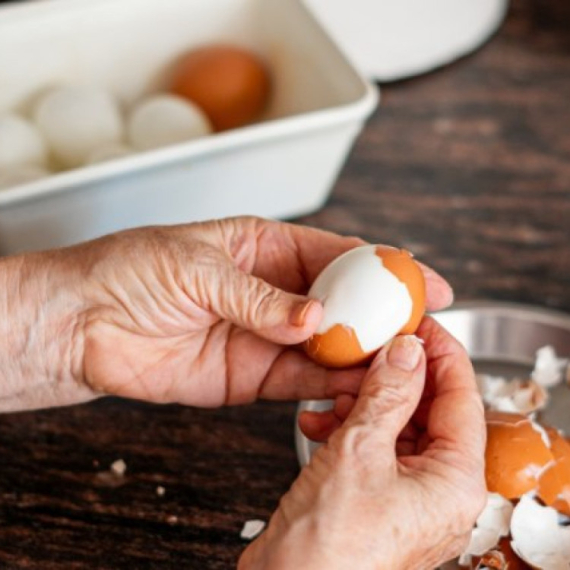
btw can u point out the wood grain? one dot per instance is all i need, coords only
(469, 167)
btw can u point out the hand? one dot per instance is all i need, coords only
(400, 481)
(202, 314)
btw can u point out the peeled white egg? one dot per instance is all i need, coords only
(539, 537)
(77, 120)
(109, 152)
(21, 174)
(20, 142)
(164, 120)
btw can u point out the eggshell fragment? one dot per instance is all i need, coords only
(501, 558)
(366, 303)
(554, 482)
(492, 524)
(20, 143)
(512, 396)
(252, 529)
(548, 368)
(538, 536)
(517, 453)
(165, 120)
(76, 120)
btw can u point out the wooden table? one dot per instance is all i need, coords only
(469, 167)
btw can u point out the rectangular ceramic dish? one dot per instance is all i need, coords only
(283, 166)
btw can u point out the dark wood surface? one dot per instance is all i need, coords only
(469, 167)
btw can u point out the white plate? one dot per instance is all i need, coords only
(394, 39)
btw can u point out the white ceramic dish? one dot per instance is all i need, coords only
(281, 167)
(390, 40)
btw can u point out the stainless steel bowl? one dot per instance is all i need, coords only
(502, 339)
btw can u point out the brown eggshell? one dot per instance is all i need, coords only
(337, 348)
(554, 483)
(401, 263)
(515, 455)
(502, 557)
(230, 84)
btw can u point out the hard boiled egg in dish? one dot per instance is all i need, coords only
(370, 294)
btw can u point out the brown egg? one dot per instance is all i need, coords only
(554, 483)
(515, 456)
(366, 303)
(231, 85)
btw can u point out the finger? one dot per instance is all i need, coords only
(291, 256)
(455, 421)
(439, 293)
(316, 249)
(319, 426)
(407, 441)
(294, 377)
(255, 305)
(256, 368)
(390, 392)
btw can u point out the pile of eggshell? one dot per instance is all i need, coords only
(212, 89)
(526, 522)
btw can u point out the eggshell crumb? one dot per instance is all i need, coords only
(252, 529)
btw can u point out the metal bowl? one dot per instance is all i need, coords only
(502, 339)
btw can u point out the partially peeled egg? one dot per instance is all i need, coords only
(370, 294)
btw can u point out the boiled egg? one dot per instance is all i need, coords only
(231, 84)
(370, 294)
(110, 151)
(20, 143)
(22, 174)
(163, 120)
(77, 120)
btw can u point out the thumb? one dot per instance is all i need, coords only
(253, 304)
(390, 392)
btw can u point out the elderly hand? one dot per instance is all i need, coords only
(400, 482)
(202, 314)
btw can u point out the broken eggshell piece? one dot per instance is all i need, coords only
(512, 396)
(548, 368)
(502, 557)
(518, 451)
(554, 482)
(492, 524)
(540, 536)
(370, 294)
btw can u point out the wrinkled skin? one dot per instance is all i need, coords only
(210, 314)
(202, 314)
(400, 480)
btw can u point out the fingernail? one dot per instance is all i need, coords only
(405, 352)
(299, 313)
